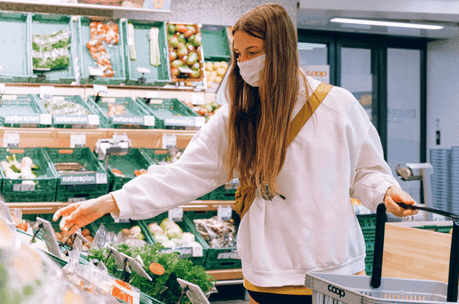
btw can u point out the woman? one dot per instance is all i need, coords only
(295, 203)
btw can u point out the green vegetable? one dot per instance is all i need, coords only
(155, 57)
(165, 287)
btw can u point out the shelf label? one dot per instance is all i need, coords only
(76, 199)
(123, 220)
(77, 141)
(9, 97)
(228, 255)
(10, 140)
(71, 119)
(182, 121)
(197, 251)
(93, 120)
(152, 94)
(149, 121)
(193, 292)
(50, 238)
(101, 178)
(79, 179)
(108, 99)
(23, 119)
(24, 187)
(136, 266)
(127, 120)
(224, 213)
(197, 99)
(45, 119)
(175, 215)
(184, 252)
(169, 141)
(143, 70)
(95, 71)
(46, 91)
(2, 88)
(101, 89)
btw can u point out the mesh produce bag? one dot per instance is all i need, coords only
(51, 51)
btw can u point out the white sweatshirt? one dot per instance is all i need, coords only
(336, 155)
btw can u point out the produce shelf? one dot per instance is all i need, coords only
(158, 76)
(14, 50)
(23, 111)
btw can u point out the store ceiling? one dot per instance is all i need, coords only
(319, 19)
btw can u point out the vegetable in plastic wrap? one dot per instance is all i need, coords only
(51, 51)
(64, 107)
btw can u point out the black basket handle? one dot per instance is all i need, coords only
(375, 281)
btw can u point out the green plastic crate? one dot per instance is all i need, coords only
(171, 113)
(127, 164)
(75, 121)
(110, 225)
(45, 183)
(22, 111)
(222, 194)
(187, 226)
(116, 54)
(15, 39)
(215, 43)
(158, 76)
(97, 184)
(155, 156)
(48, 24)
(215, 257)
(136, 115)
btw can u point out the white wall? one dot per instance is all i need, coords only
(443, 92)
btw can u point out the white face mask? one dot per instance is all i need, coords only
(250, 69)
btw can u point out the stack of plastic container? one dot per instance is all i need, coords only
(454, 182)
(441, 162)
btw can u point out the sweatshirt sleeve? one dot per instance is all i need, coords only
(198, 171)
(372, 175)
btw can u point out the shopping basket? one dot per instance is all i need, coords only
(352, 289)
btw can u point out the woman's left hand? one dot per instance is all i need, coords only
(396, 195)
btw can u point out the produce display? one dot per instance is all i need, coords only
(101, 35)
(71, 167)
(215, 72)
(184, 51)
(131, 38)
(58, 106)
(155, 56)
(66, 238)
(116, 109)
(164, 286)
(170, 235)
(206, 110)
(218, 234)
(15, 169)
(135, 232)
(51, 51)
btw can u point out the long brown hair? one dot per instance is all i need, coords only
(260, 117)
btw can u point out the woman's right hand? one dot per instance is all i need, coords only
(80, 214)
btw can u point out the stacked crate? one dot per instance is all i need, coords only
(441, 178)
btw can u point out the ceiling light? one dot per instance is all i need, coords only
(387, 23)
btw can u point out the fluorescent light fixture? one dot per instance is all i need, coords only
(387, 23)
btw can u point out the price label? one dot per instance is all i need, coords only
(95, 72)
(123, 220)
(149, 121)
(46, 91)
(76, 199)
(199, 121)
(77, 141)
(10, 140)
(9, 97)
(169, 141)
(45, 119)
(224, 213)
(152, 94)
(2, 88)
(193, 292)
(143, 70)
(176, 215)
(228, 255)
(136, 266)
(93, 120)
(101, 89)
(28, 186)
(197, 251)
(101, 178)
(197, 99)
(49, 236)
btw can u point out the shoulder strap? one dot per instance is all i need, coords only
(305, 113)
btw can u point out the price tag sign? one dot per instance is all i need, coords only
(175, 215)
(2, 88)
(45, 119)
(76, 199)
(10, 140)
(50, 238)
(200, 121)
(9, 97)
(93, 120)
(152, 94)
(109, 100)
(228, 255)
(184, 252)
(119, 259)
(101, 89)
(77, 141)
(193, 292)
(149, 121)
(197, 251)
(95, 72)
(101, 178)
(143, 70)
(123, 220)
(224, 213)
(136, 266)
(169, 141)
(46, 91)
(197, 99)
(28, 186)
